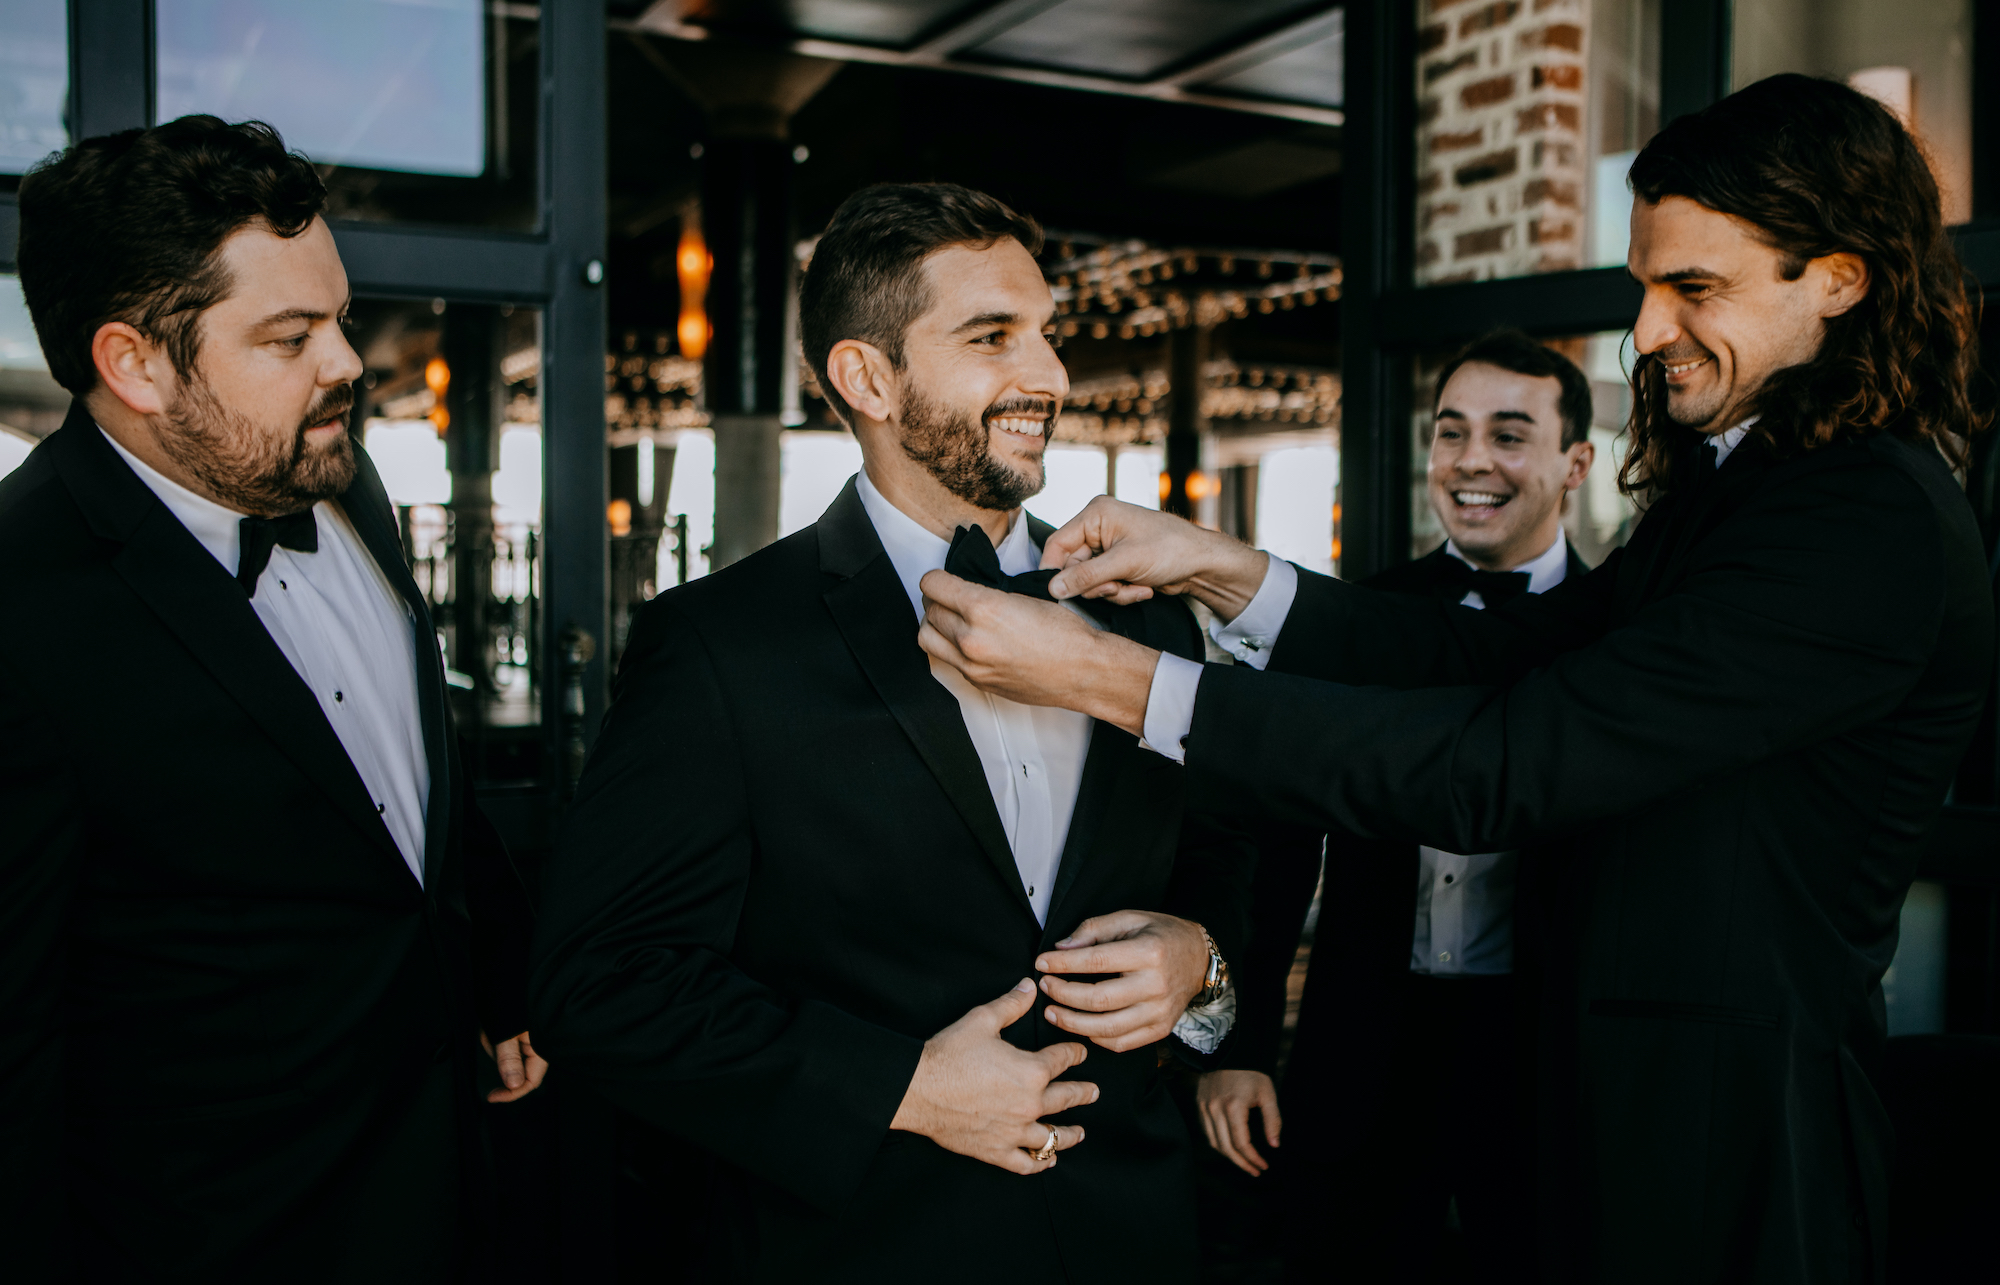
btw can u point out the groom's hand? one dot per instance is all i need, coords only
(1161, 962)
(978, 1095)
(1122, 552)
(1035, 652)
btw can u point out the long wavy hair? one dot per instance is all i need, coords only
(1817, 169)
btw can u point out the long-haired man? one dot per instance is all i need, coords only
(1740, 726)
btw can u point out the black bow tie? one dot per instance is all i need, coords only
(1493, 587)
(260, 535)
(972, 558)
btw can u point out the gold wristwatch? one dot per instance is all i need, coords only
(1216, 980)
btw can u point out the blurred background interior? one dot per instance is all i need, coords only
(573, 230)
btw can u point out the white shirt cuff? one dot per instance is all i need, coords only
(1170, 706)
(1251, 635)
(1203, 1029)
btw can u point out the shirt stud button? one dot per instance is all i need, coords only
(1444, 956)
(1447, 878)
(339, 697)
(283, 585)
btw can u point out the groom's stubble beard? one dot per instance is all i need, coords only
(956, 449)
(250, 469)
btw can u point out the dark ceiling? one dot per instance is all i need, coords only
(1267, 55)
(1082, 113)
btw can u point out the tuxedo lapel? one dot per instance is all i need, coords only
(366, 503)
(872, 612)
(1163, 623)
(205, 609)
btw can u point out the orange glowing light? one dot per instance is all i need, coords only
(620, 514)
(1199, 486)
(693, 263)
(1336, 515)
(437, 377)
(1166, 487)
(1336, 549)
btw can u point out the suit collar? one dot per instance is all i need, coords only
(205, 608)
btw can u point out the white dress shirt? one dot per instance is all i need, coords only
(1033, 755)
(1465, 902)
(347, 633)
(1729, 441)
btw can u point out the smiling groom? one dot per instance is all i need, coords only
(805, 858)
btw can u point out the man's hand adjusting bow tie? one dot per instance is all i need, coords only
(972, 558)
(1054, 658)
(260, 535)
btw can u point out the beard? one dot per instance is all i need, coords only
(246, 467)
(956, 448)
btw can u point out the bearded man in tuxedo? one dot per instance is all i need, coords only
(804, 858)
(1423, 983)
(252, 923)
(1741, 725)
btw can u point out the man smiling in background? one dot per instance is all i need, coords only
(1395, 1022)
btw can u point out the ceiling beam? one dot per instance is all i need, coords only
(1261, 50)
(663, 18)
(980, 27)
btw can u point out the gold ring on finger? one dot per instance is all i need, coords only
(1048, 1151)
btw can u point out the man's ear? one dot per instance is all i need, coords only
(862, 375)
(1581, 457)
(1846, 281)
(133, 368)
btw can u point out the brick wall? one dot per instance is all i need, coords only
(1502, 167)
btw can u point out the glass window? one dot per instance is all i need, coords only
(32, 405)
(1915, 56)
(34, 81)
(451, 416)
(812, 467)
(1528, 116)
(1597, 517)
(417, 110)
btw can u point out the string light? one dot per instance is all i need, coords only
(1127, 280)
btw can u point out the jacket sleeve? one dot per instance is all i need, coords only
(503, 923)
(1348, 633)
(1281, 892)
(1812, 611)
(41, 842)
(633, 988)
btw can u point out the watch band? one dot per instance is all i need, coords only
(1216, 980)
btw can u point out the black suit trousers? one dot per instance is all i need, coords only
(1373, 1185)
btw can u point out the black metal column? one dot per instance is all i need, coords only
(1374, 439)
(1187, 353)
(110, 66)
(747, 218)
(1694, 55)
(470, 347)
(573, 444)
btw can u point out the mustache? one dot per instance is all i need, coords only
(336, 404)
(1677, 354)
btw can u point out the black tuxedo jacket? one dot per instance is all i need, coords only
(784, 871)
(240, 1031)
(1361, 951)
(1741, 726)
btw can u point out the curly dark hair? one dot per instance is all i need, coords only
(128, 227)
(1819, 169)
(866, 278)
